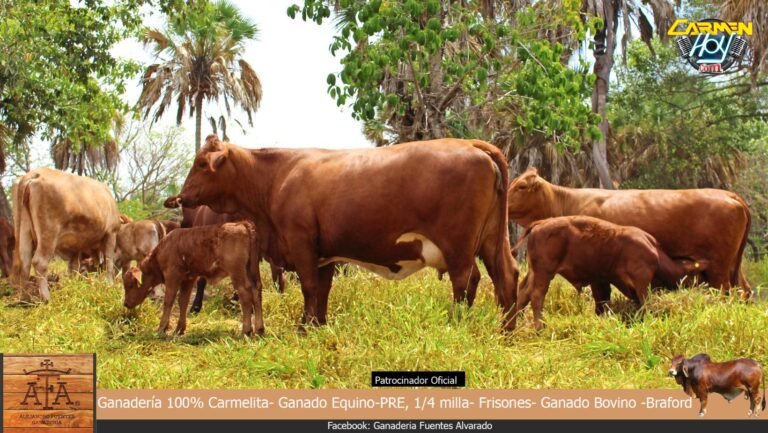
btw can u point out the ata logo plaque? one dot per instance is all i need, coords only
(48, 393)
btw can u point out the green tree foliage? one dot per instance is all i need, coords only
(200, 59)
(58, 76)
(426, 69)
(675, 128)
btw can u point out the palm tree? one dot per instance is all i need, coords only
(198, 60)
(605, 47)
(755, 11)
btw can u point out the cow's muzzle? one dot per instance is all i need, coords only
(672, 373)
(172, 202)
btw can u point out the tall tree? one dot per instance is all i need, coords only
(200, 59)
(605, 44)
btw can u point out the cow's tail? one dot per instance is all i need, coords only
(522, 238)
(736, 276)
(254, 256)
(161, 232)
(22, 211)
(502, 183)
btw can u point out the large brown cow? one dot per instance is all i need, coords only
(709, 224)
(392, 210)
(203, 216)
(56, 212)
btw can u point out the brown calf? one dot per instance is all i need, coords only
(699, 376)
(590, 251)
(210, 252)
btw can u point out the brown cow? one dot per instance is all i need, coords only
(590, 251)
(136, 240)
(699, 376)
(211, 252)
(392, 210)
(202, 216)
(56, 212)
(7, 242)
(709, 224)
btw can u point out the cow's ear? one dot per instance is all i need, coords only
(216, 159)
(686, 366)
(212, 143)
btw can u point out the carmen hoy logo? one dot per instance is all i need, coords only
(48, 376)
(711, 46)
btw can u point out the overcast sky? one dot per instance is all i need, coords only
(292, 60)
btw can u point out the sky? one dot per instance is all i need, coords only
(292, 60)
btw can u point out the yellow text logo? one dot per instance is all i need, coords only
(683, 27)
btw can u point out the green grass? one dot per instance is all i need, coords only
(375, 324)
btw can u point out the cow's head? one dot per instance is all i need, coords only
(210, 179)
(137, 286)
(676, 369)
(529, 198)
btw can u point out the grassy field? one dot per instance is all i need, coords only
(376, 324)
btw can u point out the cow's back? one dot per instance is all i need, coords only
(682, 221)
(365, 201)
(585, 249)
(78, 210)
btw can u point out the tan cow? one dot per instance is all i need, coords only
(56, 212)
(136, 240)
(709, 224)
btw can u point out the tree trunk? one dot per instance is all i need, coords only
(198, 120)
(5, 207)
(602, 71)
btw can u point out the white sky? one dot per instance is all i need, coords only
(292, 60)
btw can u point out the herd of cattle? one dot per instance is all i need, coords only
(394, 210)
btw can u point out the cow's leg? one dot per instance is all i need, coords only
(172, 286)
(472, 287)
(745, 286)
(703, 401)
(108, 249)
(461, 278)
(73, 264)
(601, 292)
(244, 290)
(504, 274)
(539, 286)
(719, 278)
(278, 277)
(197, 304)
(184, 294)
(5, 259)
(305, 262)
(258, 316)
(43, 255)
(754, 398)
(324, 289)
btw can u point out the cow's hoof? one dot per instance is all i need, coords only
(194, 310)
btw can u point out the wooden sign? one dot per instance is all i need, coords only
(49, 393)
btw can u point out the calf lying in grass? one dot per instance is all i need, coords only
(700, 376)
(597, 253)
(210, 252)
